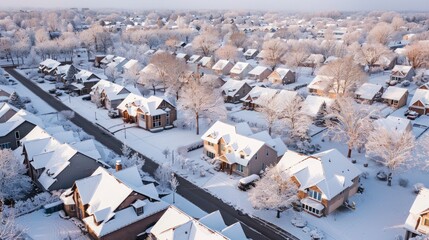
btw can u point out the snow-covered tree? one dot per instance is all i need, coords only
(227, 52)
(295, 119)
(205, 43)
(380, 33)
(163, 175)
(371, 53)
(345, 75)
(348, 122)
(130, 159)
(201, 101)
(15, 100)
(423, 146)
(131, 75)
(13, 181)
(112, 73)
(418, 54)
(174, 183)
(272, 111)
(149, 78)
(274, 51)
(391, 148)
(9, 230)
(273, 192)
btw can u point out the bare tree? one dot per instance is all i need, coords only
(348, 122)
(371, 53)
(295, 119)
(389, 147)
(274, 50)
(130, 159)
(205, 43)
(9, 230)
(272, 111)
(237, 39)
(345, 76)
(380, 33)
(174, 183)
(149, 77)
(201, 101)
(227, 52)
(418, 54)
(273, 192)
(168, 69)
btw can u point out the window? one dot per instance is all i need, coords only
(256, 156)
(240, 168)
(210, 144)
(315, 195)
(139, 211)
(18, 143)
(17, 135)
(210, 154)
(4, 145)
(72, 208)
(242, 155)
(156, 121)
(267, 152)
(426, 222)
(311, 209)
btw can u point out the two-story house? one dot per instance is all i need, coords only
(401, 73)
(325, 180)
(241, 151)
(152, 113)
(107, 94)
(114, 204)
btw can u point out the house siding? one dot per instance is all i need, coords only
(23, 130)
(402, 101)
(264, 160)
(7, 115)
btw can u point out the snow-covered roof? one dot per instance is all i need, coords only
(368, 91)
(400, 70)
(394, 124)
(205, 60)
(257, 91)
(394, 93)
(258, 70)
(85, 75)
(96, 191)
(194, 58)
(239, 67)
(279, 73)
(130, 64)
(250, 52)
(51, 64)
(220, 65)
(177, 225)
(61, 70)
(320, 82)
(231, 87)
(5, 107)
(312, 104)
(419, 207)
(220, 129)
(149, 106)
(276, 143)
(65, 137)
(112, 90)
(17, 119)
(421, 95)
(6, 89)
(107, 59)
(330, 171)
(181, 55)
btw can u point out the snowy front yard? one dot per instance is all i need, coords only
(39, 226)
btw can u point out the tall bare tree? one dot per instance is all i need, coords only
(371, 53)
(274, 50)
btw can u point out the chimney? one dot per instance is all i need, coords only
(118, 165)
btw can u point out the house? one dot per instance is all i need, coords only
(152, 113)
(114, 204)
(259, 73)
(7, 111)
(401, 72)
(106, 60)
(255, 93)
(208, 62)
(53, 165)
(368, 92)
(84, 81)
(386, 62)
(240, 70)
(250, 53)
(183, 56)
(395, 96)
(239, 150)
(420, 101)
(66, 73)
(314, 105)
(234, 90)
(260, 55)
(5, 93)
(320, 85)
(194, 59)
(107, 94)
(48, 66)
(417, 223)
(394, 124)
(17, 127)
(177, 225)
(97, 59)
(313, 61)
(131, 65)
(222, 67)
(282, 76)
(325, 180)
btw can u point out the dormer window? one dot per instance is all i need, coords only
(138, 207)
(139, 211)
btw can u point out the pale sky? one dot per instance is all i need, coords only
(288, 5)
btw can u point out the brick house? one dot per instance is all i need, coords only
(114, 204)
(241, 151)
(325, 180)
(152, 113)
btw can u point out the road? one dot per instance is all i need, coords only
(256, 229)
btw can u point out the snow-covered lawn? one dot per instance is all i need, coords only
(39, 226)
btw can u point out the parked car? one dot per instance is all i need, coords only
(86, 98)
(248, 182)
(40, 80)
(113, 113)
(405, 83)
(52, 91)
(58, 93)
(412, 115)
(12, 82)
